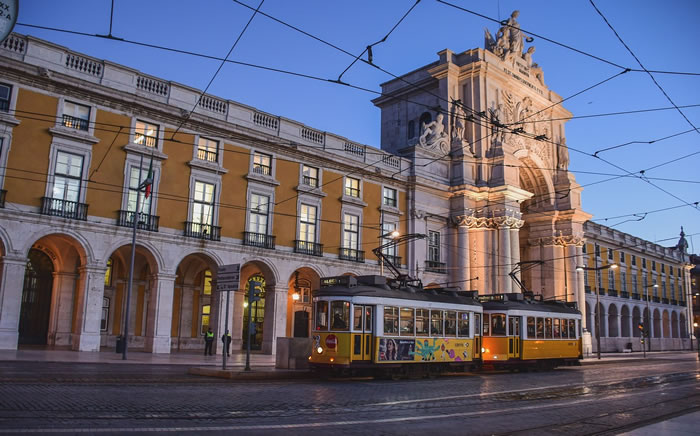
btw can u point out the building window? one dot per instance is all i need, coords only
(5, 95)
(635, 289)
(656, 289)
(352, 187)
(351, 231)
(673, 291)
(67, 177)
(76, 116)
(259, 207)
(206, 286)
(597, 250)
(208, 150)
(585, 250)
(203, 203)
(206, 310)
(585, 278)
(663, 268)
(653, 265)
(262, 164)
(623, 280)
(645, 284)
(104, 322)
(137, 177)
(390, 197)
(599, 279)
(663, 289)
(387, 230)
(634, 260)
(610, 254)
(309, 176)
(622, 257)
(433, 246)
(307, 223)
(146, 134)
(611, 280)
(644, 263)
(108, 273)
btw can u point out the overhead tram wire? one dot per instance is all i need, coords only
(199, 100)
(595, 154)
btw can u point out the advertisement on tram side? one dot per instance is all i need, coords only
(424, 350)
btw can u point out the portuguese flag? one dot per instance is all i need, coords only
(148, 183)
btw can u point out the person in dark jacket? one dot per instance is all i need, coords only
(208, 341)
(226, 339)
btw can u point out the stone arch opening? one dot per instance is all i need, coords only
(636, 320)
(299, 310)
(625, 322)
(666, 321)
(613, 330)
(600, 321)
(683, 326)
(674, 325)
(262, 316)
(657, 323)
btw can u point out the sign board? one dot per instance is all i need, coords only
(228, 277)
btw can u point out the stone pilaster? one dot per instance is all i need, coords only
(12, 270)
(89, 293)
(275, 318)
(61, 308)
(160, 313)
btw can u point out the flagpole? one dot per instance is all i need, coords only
(131, 264)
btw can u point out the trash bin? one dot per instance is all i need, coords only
(120, 344)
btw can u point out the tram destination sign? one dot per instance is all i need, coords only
(228, 277)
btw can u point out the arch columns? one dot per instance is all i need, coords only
(160, 313)
(88, 306)
(12, 269)
(61, 310)
(275, 318)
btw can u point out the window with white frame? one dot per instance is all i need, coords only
(635, 289)
(206, 312)
(262, 164)
(663, 289)
(208, 150)
(597, 250)
(390, 197)
(76, 116)
(610, 253)
(433, 246)
(611, 279)
(146, 133)
(309, 176)
(203, 203)
(5, 96)
(622, 257)
(136, 177)
(67, 177)
(673, 291)
(634, 260)
(307, 223)
(644, 262)
(352, 187)
(259, 207)
(351, 231)
(655, 288)
(623, 281)
(645, 284)
(387, 231)
(599, 279)
(104, 322)
(585, 278)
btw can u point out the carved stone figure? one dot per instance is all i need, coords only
(457, 120)
(515, 36)
(432, 132)
(527, 56)
(562, 155)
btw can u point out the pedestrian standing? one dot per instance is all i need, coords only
(208, 341)
(226, 339)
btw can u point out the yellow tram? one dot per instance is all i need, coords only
(522, 332)
(370, 325)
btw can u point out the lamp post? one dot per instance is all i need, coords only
(597, 297)
(392, 235)
(647, 321)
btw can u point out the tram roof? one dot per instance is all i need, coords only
(519, 302)
(377, 287)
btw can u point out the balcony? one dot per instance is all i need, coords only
(309, 248)
(665, 301)
(435, 267)
(674, 302)
(64, 208)
(310, 181)
(262, 169)
(209, 156)
(587, 289)
(260, 240)
(681, 303)
(145, 221)
(75, 123)
(624, 294)
(3, 193)
(146, 140)
(636, 297)
(656, 299)
(202, 231)
(351, 254)
(612, 292)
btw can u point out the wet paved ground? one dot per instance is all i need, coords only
(593, 399)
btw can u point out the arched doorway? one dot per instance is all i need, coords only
(625, 322)
(254, 316)
(636, 320)
(666, 324)
(195, 303)
(299, 310)
(600, 331)
(36, 299)
(612, 321)
(674, 324)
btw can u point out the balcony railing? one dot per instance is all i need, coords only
(587, 289)
(435, 267)
(612, 292)
(395, 260)
(665, 301)
(64, 208)
(145, 221)
(656, 299)
(3, 193)
(202, 231)
(352, 192)
(681, 303)
(310, 181)
(351, 254)
(209, 156)
(75, 122)
(635, 296)
(674, 302)
(260, 240)
(262, 169)
(148, 141)
(624, 294)
(310, 248)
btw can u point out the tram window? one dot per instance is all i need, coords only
(540, 328)
(564, 329)
(548, 328)
(436, 322)
(368, 320)
(357, 318)
(422, 322)
(572, 328)
(391, 320)
(557, 331)
(477, 324)
(406, 321)
(530, 327)
(321, 315)
(486, 325)
(451, 323)
(340, 313)
(463, 324)
(498, 324)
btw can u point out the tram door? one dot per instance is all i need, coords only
(362, 332)
(514, 341)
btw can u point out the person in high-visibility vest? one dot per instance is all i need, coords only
(208, 341)
(226, 339)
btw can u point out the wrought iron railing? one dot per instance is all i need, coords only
(624, 294)
(665, 301)
(64, 208)
(352, 192)
(75, 122)
(148, 141)
(681, 303)
(587, 289)
(612, 292)
(674, 302)
(145, 221)
(351, 254)
(635, 296)
(260, 240)
(310, 181)
(209, 156)
(202, 231)
(310, 248)
(435, 266)
(656, 299)
(262, 169)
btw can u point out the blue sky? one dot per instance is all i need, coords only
(662, 35)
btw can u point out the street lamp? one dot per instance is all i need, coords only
(597, 297)
(391, 235)
(647, 321)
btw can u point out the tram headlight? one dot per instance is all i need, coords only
(319, 350)
(483, 350)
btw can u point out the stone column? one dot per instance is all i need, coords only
(12, 270)
(218, 308)
(515, 252)
(89, 293)
(580, 288)
(504, 259)
(62, 308)
(571, 261)
(275, 318)
(480, 243)
(159, 317)
(461, 275)
(237, 323)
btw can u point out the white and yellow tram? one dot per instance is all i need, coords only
(522, 332)
(368, 325)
